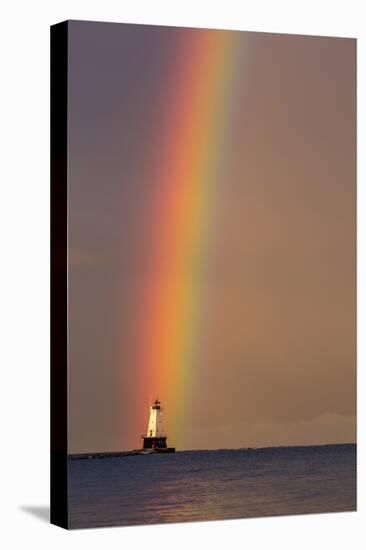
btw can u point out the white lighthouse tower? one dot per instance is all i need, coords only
(156, 421)
(156, 437)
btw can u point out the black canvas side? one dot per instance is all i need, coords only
(59, 66)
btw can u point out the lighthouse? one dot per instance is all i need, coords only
(156, 437)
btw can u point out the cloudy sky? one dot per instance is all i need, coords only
(265, 354)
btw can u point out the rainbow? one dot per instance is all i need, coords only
(189, 151)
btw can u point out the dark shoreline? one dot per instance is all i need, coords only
(120, 454)
(117, 454)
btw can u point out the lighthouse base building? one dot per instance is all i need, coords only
(156, 438)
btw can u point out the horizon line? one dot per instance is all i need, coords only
(218, 449)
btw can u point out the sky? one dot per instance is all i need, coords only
(212, 242)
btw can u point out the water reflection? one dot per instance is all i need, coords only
(212, 485)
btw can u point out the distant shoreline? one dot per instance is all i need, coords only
(120, 454)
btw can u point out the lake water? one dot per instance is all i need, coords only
(211, 485)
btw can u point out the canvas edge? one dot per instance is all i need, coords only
(58, 252)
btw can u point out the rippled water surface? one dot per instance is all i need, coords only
(211, 485)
